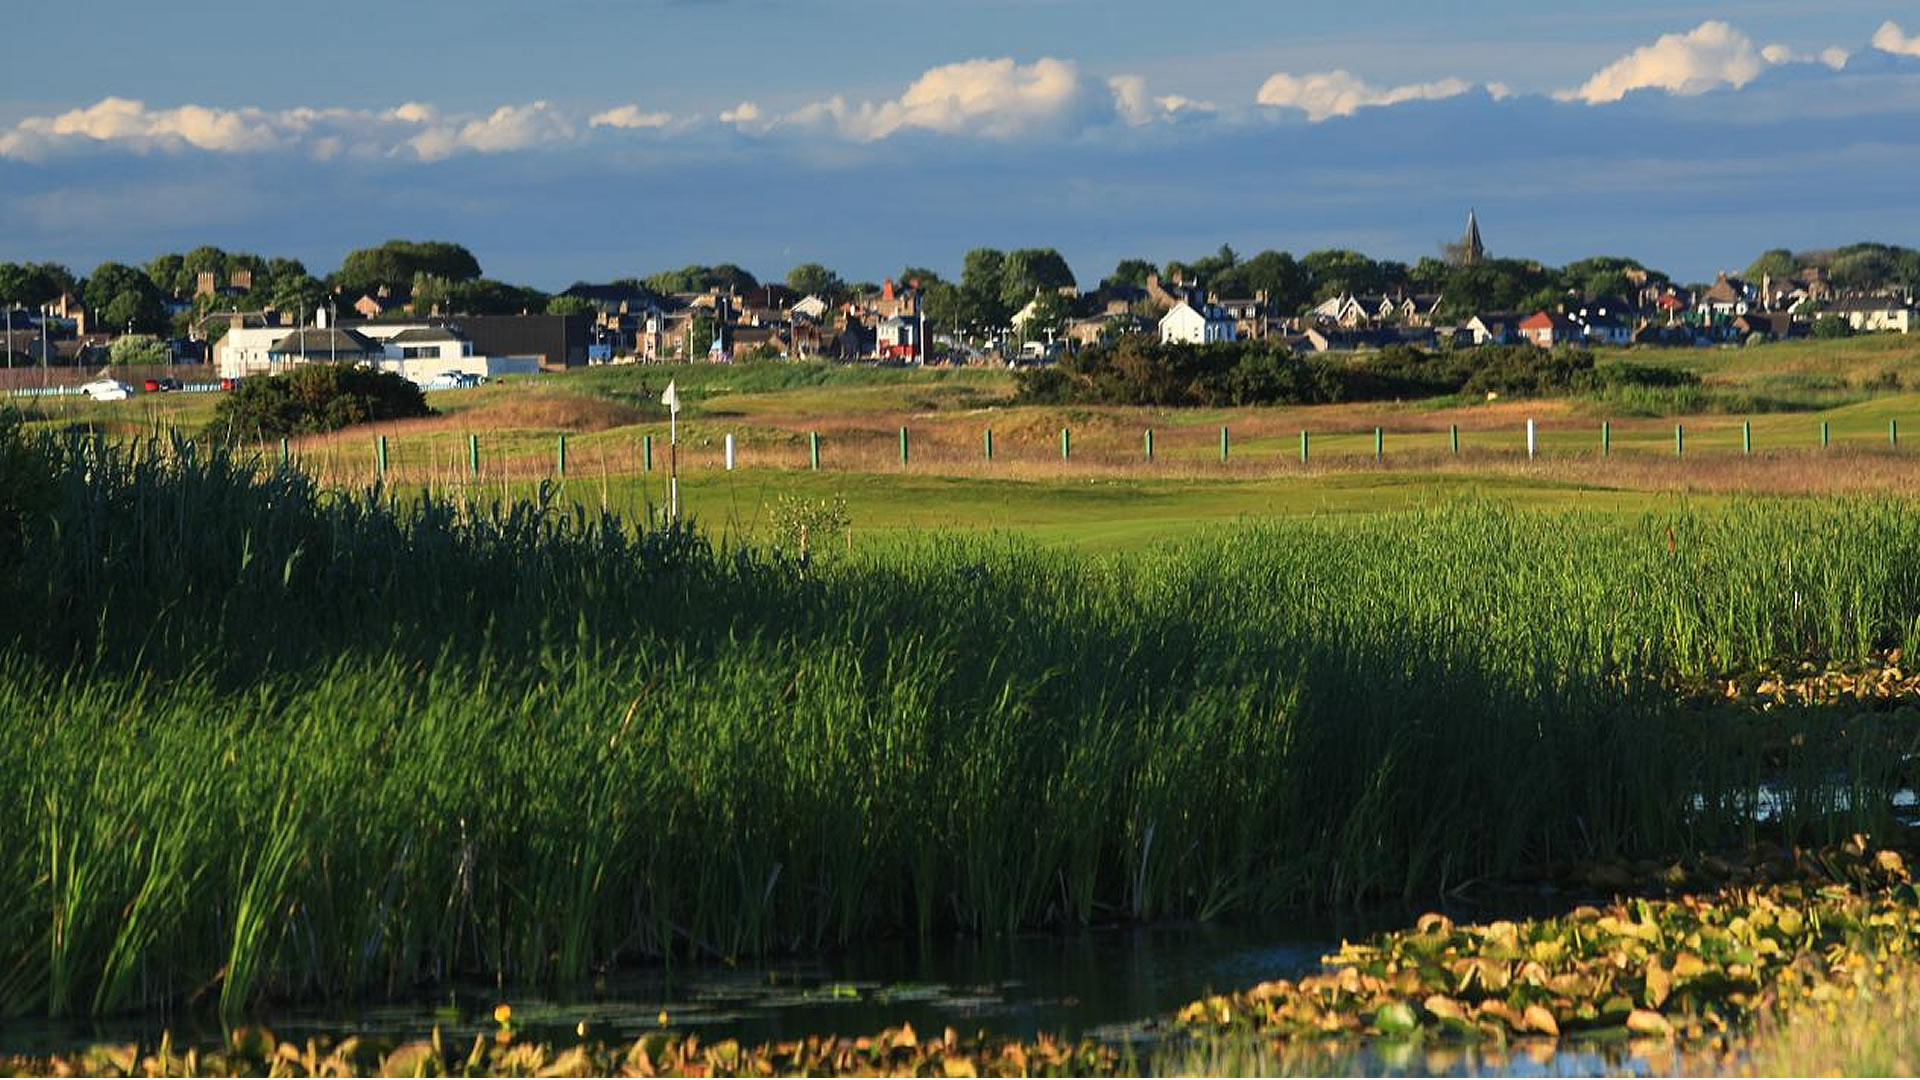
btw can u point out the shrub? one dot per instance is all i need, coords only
(1831, 326)
(808, 528)
(139, 349)
(315, 398)
(26, 486)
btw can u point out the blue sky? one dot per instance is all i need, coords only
(601, 138)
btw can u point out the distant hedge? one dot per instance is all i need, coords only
(1141, 371)
(314, 398)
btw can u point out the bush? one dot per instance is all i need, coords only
(26, 485)
(139, 349)
(1832, 326)
(312, 399)
(1139, 371)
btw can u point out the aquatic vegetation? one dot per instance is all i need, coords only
(1726, 981)
(264, 741)
(1695, 966)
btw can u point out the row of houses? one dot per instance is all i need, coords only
(1729, 310)
(482, 346)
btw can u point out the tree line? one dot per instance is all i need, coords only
(992, 285)
(1139, 370)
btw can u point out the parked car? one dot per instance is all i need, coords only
(162, 384)
(107, 390)
(451, 380)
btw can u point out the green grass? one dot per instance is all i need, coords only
(264, 740)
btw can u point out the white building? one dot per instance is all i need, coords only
(1188, 325)
(415, 351)
(1871, 314)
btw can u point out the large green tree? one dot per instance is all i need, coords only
(725, 277)
(1338, 271)
(1132, 272)
(981, 275)
(1774, 262)
(1275, 273)
(1029, 271)
(397, 262)
(30, 285)
(123, 298)
(1497, 285)
(813, 279)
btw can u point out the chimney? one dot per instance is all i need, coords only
(203, 283)
(886, 290)
(243, 280)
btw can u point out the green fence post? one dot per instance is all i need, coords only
(1679, 441)
(1223, 444)
(1303, 446)
(646, 453)
(989, 442)
(1379, 444)
(1823, 434)
(1066, 444)
(380, 456)
(1746, 436)
(1453, 439)
(560, 458)
(903, 444)
(813, 450)
(473, 455)
(1149, 444)
(284, 457)
(1606, 437)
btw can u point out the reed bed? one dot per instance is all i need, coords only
(263, 740)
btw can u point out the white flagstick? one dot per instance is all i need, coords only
(671, 399)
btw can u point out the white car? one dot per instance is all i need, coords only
(107, 390)
(451, 380)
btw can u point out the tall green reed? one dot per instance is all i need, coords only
(264, 740)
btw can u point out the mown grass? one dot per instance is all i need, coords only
(265, 739)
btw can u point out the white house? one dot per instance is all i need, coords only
(1868, 314)
(1188, 325)
(897, 337)
(812, 307)
(245, 351)
(415, 351)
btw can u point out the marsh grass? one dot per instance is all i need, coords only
(268, 740)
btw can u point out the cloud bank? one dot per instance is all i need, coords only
(990, 99)
(1327, 94)
(1891, 39)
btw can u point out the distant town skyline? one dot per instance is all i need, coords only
(596, 139)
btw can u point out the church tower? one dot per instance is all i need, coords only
(1472, 251)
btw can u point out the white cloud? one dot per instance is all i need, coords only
(748, 117)
(323, 134)
(414, 112)
(996, 99)
(1711, 55)
(1890, 38)
(1325, 94)
(1833, 56)
(130, 122)
(630, 116)
(1137, 109)
(515, 127)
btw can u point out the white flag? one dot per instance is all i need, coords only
(671, 399)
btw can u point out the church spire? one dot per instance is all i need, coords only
(1472, 251)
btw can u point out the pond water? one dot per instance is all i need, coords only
(1104, 984)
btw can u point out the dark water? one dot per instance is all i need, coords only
(1105, 984)
(1100, 983)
